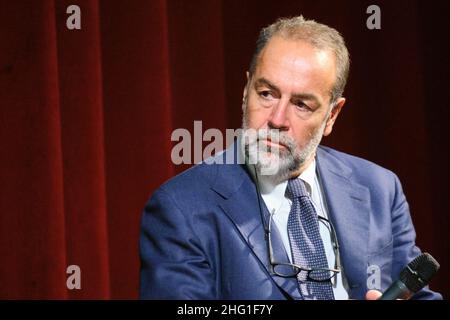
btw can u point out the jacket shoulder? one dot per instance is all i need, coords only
(362, 171)
(356, 163)
(198, 177)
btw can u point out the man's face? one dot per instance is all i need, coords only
(289, 92)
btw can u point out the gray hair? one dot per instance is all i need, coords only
(318, 35)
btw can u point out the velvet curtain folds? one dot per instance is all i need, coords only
(86, 118)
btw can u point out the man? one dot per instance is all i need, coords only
(296, 220)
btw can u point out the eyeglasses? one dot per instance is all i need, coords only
(288, 270)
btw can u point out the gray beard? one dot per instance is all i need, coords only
(273, 164)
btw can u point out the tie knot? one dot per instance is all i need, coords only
(296, 188)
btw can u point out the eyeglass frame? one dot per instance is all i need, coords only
(296, 268)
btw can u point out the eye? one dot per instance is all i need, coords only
(302, 106)
(266, 94)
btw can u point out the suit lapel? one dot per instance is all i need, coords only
(240, 204)
(349, 206)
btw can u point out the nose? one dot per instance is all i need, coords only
(278, 118)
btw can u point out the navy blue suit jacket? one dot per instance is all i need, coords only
(203, 236)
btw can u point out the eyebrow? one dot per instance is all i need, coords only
(301, 96)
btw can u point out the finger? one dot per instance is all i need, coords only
(373, 295)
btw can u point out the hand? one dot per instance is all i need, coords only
(373, 295)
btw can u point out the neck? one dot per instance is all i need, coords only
(303, 167)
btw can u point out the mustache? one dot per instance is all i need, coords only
(276, 136)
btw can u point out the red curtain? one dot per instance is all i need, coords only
(87, 115)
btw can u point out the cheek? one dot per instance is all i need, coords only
(257, 117)
(302, 133)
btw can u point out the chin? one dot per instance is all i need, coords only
(276, 169)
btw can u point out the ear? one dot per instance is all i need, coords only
(333, 116)
(244, 94)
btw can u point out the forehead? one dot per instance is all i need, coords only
(296, 64)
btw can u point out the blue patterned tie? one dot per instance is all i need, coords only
(306, 244)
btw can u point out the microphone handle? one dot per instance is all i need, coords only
(397, 290)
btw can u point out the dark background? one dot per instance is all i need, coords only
(86, 118)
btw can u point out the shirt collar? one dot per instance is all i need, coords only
(309, 176)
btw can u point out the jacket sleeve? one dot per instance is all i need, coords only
(404, 237)
(173, 264)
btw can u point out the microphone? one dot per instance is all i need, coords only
(412, 278)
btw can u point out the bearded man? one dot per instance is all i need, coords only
(292, 220)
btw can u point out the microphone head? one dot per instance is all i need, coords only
(419, 271)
